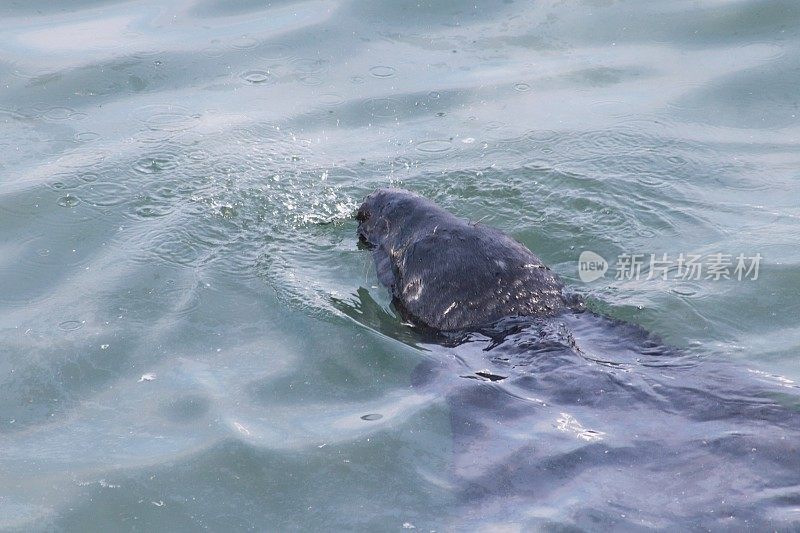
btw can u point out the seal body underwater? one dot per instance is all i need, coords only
(448, 274)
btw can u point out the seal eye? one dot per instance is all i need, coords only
(362, 215)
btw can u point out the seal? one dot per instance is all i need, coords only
(448, 274)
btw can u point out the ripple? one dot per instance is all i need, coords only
(244, 43)
(147, 53)
(150, 207)
(309, 66)
(331, 99)
(213, 51)
(58, 113)
(382, 107)
(687, 289)
(522, 87)
(382, 71)
(178, 247)
(501, 156)
(86, 136)
(371, 417)
(197, 155)
(88, 177)
(166, 117)
(434, 146)
(83, 158)
(71, 325)
(257, 76)
(105, 193)
(258, 133)
(310, 80)
(63, 184)
(273, 52)
(68, 201)
(155, 163)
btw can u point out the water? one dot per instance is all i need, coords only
(192, 339)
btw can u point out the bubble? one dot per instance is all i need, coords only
(382, 71)
(522, 87)
(68, 201)
(257, 76)
(372, 416)
(434, 146)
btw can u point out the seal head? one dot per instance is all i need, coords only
(448, 274)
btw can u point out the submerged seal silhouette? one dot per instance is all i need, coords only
(449, 274)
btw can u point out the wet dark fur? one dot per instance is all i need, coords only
(448, 274)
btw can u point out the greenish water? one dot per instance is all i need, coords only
(191, 337)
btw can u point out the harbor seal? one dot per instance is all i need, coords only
(448, 274)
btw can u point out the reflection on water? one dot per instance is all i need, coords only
(176, 192)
